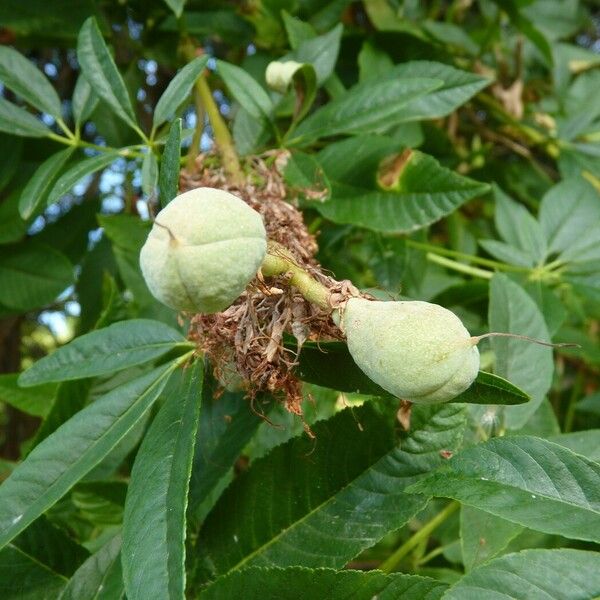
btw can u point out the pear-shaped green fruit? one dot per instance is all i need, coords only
(204, 248)
(417, 351)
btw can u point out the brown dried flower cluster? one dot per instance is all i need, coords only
(246, 341)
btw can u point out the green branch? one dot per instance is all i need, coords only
(279, 262)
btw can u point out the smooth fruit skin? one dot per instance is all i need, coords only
(415, 350)
(204, 248)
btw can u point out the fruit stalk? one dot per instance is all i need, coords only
(279, 261)
(223, 139)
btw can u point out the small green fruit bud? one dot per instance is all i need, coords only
(205, 247)
(417, 351)
(279, 75)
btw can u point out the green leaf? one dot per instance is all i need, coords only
(105, 351)
(525, 26)
(100, 502)
(341, 501)
(168, 183)
(12, 152)
(225, 23)
(366, 107)
(77, 172)
(525, 480)
(20, 75)
(57, 20)
(560, 574)
(425, 192)
(519, 229)
(227, 422)
(329, 364)
(50, 546)
(246, 90)
(569, 214)
(586, 443)
(178, 90)
(451, 35)
(457, 87)
(492, 389)
(99, 577)
(154, 524)
(483, 535)
(32, 275)
(305, 177)
(97, 265)
(321, 52)
(35, 401)
(176, 6)
(149, 174)
(305, 87)
(527, 365)
(101, 72)
(70, 398)
(17, 121)
(33, 197)
(506, 253)
(580, 108)
(355, 161)
(70, 233)
(373, 62)
(297, 31)
(128, 234)
(67, 455)
(295, 582)
(22, 577)
(249, 134)
(84, 100)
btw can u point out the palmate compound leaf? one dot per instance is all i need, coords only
(321, 502)
(299, 582)
(74, 449)
(559, 574)
(526, 480)
(154, 523)
(105, 351)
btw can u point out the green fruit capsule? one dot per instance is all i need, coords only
(204, 248)
(417, 351)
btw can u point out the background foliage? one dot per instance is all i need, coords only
(125, 473)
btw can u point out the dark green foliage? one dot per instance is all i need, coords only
(446, 152)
